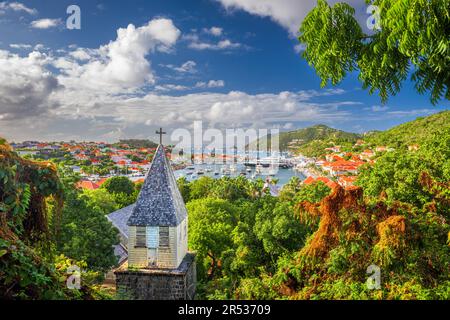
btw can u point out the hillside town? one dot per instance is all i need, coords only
(96, 162)
(340, 167)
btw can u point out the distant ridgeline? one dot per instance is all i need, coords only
(314, 140)
(414, 132)
(138, 143)
(310, 138)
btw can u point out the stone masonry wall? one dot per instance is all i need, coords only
(191, 281)
(177, 284)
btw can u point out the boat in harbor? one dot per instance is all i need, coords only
(273, 171)
(277, 160)
(225, 170)
(259, 169)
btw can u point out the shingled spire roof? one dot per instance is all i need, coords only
(160, 202)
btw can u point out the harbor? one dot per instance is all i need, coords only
(277, 167)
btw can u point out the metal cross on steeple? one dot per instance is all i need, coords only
(161, 133)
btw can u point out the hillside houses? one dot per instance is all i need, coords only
(333, 157)
(342, 167)
(87, 185)
(335, 149)
(327, 181)
(92, 160)
(367, 154)
(347, 181)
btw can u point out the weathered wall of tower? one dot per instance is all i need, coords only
(137, 256)
(181, 240)
(167, 257)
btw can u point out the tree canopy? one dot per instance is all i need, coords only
(31, 200)
(414, 40)
(119, 185)
(123, 191)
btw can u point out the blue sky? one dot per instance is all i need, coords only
(229, 63)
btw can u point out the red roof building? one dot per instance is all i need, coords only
(333, 157)
(101, 181)
(347, 181)
(342, 166)
(328, 182)
(367, 154)
(87, 185)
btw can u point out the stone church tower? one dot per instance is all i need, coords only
(159, 264)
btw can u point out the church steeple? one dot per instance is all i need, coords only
(158, 223)
(159, 264)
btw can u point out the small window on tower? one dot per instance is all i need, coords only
(164, 237)
(141, 237)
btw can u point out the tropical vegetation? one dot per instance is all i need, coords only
(410, 39)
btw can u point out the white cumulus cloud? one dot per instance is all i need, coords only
(287, 13)
(379, 108)
(210, 84)
(20, 46)
(122, 64)
(187, 67)
(46, 23)
(17, 6)
(196, 43)
(26, 85)
(170, 87)
(81, 54)
(221, 45)
(215, 31)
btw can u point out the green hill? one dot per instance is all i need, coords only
(414, 132)
(138, 143)
(302, 138)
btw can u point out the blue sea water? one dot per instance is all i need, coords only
(191, 173)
